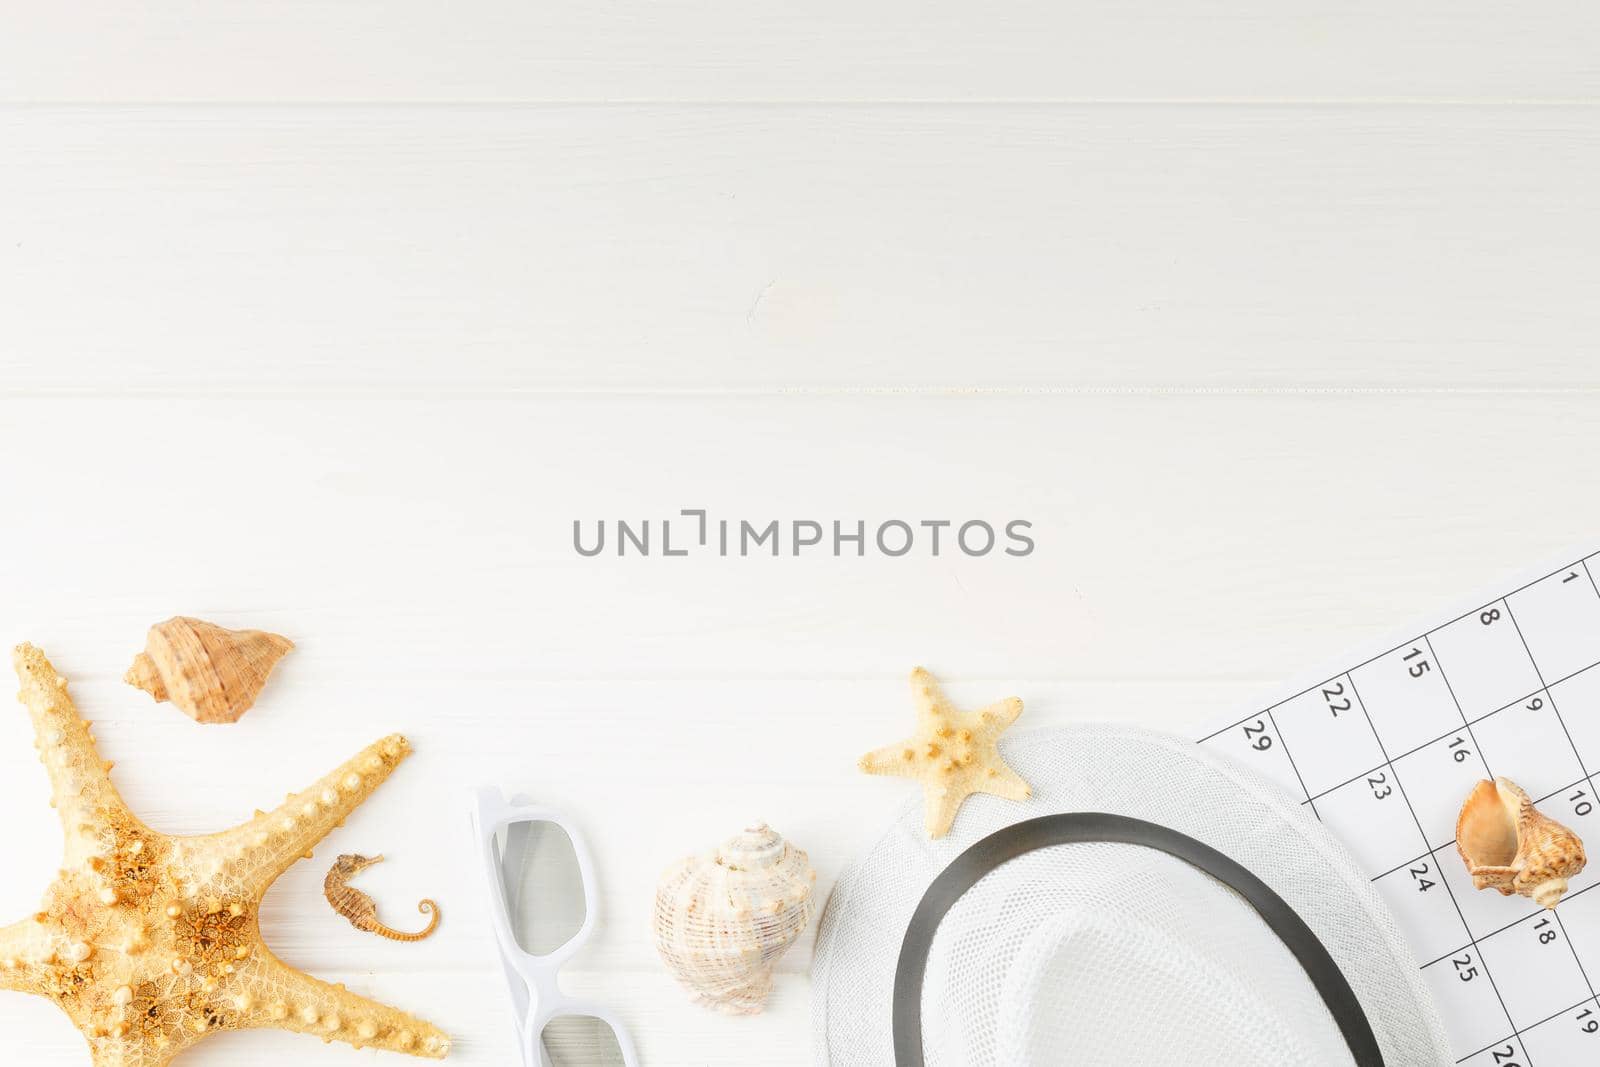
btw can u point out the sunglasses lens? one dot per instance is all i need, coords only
(581, 1041)
(543, 884)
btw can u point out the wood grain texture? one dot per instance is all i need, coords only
(1192, 551)
(367, 50)
(872, 247)
(1276, 320)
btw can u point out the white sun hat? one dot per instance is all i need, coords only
(1151, 904)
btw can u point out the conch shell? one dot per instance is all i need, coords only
(1509, 845)
(213, 674)
(723, 919)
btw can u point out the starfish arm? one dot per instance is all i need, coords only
(80, 781)
(23, 948)
(253, 855)
(933, 708)
(939, 807)
(276, 996)
(1001, 714)
(106, 1052)
(1002, 781)
(890, 759)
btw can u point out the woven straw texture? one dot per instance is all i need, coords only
(1114, 954)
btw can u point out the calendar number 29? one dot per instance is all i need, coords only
(1256, 734)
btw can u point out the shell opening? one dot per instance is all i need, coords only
(1487, 831)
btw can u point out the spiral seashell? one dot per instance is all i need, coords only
(723, 919)
(1509, 845)
(211, 673)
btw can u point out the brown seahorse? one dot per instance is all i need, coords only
(362, 910)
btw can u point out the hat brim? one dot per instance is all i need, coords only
(1141, 775)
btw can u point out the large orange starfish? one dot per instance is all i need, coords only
(150, 942)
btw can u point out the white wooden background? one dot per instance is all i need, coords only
(1277, 319)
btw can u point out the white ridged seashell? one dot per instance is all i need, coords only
(723, 919)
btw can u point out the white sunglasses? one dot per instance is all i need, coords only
(502, 833)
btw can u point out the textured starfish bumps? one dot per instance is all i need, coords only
(150, 942)
(954, 754)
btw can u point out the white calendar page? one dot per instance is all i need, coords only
(1385, 747)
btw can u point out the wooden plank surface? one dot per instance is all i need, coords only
(1276, 321)
(1191, 551)
(410, 50)
(638, 248)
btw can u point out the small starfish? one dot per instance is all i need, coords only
(150, 942)
(953, 753)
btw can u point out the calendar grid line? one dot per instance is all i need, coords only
(1402, 866)
(1554, 708)
(1460, 694)
(1502, 929)
(1520, 701)
(1423, 834)
(1402, 644)
(1294, 766)
(1586, 780)
(1581, 968)
(1589, 781)
(1482, 757)
(1452, 842)
(1531, 1026)
(1538, 673)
